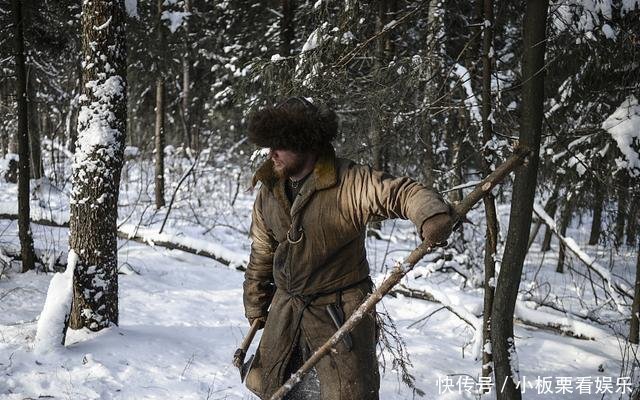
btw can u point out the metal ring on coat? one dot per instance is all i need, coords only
(295, 241)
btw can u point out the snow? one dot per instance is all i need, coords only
(94, 121)
(624, 127)
(199, 245)
(131, 6)
(312, 41)
(471, 101)
(181, 315)
(57, 306)
(175, 19)
(608, 32)
(604, 273)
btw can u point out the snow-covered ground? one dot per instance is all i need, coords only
(181, 315)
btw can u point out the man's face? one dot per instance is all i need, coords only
(287, 163)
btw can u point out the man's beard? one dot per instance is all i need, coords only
(288, 170)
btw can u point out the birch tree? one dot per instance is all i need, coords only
(97, 165)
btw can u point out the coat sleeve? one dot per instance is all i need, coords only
(258, 287)
(375, 195)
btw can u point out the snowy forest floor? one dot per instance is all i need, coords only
(181, 315)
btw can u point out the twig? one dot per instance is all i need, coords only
(173, 196)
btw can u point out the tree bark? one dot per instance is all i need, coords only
(24, 227)
(621, 216)
(596, 223)
(430, 92)
(36, 168)
(159, 144)
(491, 216)
(635, 307)
(565, 220)
(551, 208)
(632, 223)
(160, 120)
(287, 27)
(502, 337)
(97, 166)
(185, 99)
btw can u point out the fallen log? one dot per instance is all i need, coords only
(146, 236)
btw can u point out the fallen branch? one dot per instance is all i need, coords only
(198, 247)
(195, 246)
(524, 315)
(616, 288)
(459, 312)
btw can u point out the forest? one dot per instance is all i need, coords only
(127, 188)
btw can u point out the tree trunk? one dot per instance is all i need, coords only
(36, 168)
(491, 243)
(287, 27)
(185, 102)
(621, 216)
(24, 228)
(635, 307)
(159, 131)
(632, 223)
(159, 142)
(97, 167)
(430, 93)
(596, 223)
(551, 208)
(429, 164)
(565, 220)
(502, 338)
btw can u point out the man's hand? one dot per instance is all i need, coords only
(261, 320)
(437, 229)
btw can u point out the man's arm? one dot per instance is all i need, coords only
(378, 195)
(258, 278)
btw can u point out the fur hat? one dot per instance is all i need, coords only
(294, 124)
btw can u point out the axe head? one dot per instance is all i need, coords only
(246, 367)
(238, 361)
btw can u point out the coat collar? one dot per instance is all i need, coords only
(324, 175)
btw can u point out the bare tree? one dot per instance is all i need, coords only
(160, 111)
(24, 228)
(97, 166)
(491, 243)
(502, 338)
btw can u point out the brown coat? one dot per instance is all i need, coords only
(303, 254)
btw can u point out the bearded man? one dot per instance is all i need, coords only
(308, 269)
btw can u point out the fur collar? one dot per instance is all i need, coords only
(325, 172)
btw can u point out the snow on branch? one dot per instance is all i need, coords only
(523, 314)
(616, 289)
(471, 101)
(200, 247)
(624, 127)
(192, 245)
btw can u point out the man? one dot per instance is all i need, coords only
(308, 257)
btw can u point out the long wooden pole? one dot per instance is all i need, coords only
(402, 268)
